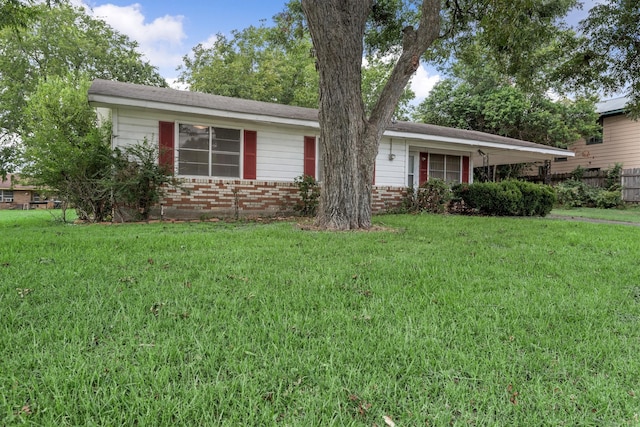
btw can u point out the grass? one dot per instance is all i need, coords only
(442, 320)
(629, 214)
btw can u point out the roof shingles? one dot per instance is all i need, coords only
(222, 103)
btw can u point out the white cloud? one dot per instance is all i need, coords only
(422, 82)
(175, 84)
(208, 43)
(161, 40)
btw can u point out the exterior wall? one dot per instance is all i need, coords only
(203, 198)
(391, 163)
(621, 144)
(21, 198)
(23, 195)
(280, 151)
(279, 160)
(198, 197)
(386, 199)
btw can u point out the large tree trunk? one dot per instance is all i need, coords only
(349, 139)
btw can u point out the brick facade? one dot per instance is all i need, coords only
(23, 195)
(203, 197)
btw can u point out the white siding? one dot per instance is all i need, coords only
(621, 144)
(280, 150)
(280, 154)
(391, 171)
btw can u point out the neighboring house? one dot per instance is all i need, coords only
(14, 195)
(619, 143)
(236, 156)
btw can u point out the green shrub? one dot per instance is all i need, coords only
(609, 199)
(309, 192)
(506, 198)
(433, 196)
(138, 179)
(613, 178)
(574, 194)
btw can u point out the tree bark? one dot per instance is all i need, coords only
(349, 139)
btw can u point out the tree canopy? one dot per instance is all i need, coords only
(257, 63)
(58, 41)
(607, 57)
(478, 96)
(44, 41)
(274, 64)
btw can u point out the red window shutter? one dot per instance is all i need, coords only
(373, 181)
(424, 168)
(250, 154)
(310, 156)
(465, 168)
(166, 141)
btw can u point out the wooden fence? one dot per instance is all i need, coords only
(630, 181)
(593, 178)
(631, 185)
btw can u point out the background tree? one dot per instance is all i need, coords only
(375, 73)
(608, 55)
(274, 64)
(477, 97)
(16, 14)
(258, 63)
(58, 41)
(42, 41)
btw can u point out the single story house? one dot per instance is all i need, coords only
(236, 156)
(17, 195)
(619, 142)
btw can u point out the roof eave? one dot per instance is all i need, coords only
(476, 144)
(110, 101)
(114, 101)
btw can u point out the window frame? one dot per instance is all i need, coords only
(210, 151)
(445, 172)
(596, 139)
(4, 198)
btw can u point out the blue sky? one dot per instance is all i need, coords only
(168, 30)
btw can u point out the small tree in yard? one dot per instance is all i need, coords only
(65, 151)
(138, 179)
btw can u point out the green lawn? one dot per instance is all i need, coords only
(440, 320)
(630, 214)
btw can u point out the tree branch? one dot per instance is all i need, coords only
(414, 44)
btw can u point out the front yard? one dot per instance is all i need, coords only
(441, 320)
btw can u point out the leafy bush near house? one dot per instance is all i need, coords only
(432, 196)
(613, 179)
(309, 192)
(506, 198)
(608, 199)
(138, 179)
(574, 193)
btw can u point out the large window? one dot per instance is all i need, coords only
(6, 196)
(208, 151)
(445, 167)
